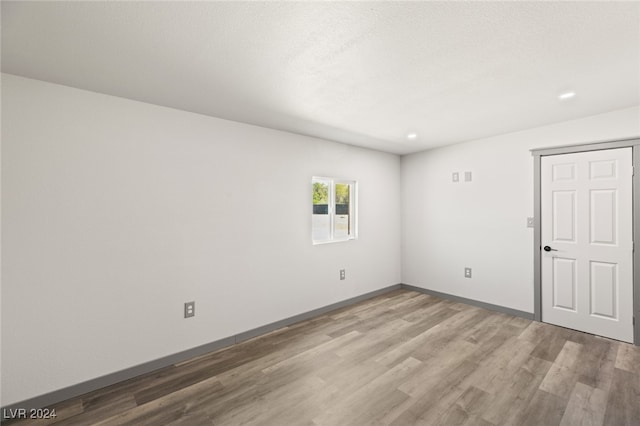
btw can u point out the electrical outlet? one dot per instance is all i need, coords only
(467, 272)
(530, 222)
(455, 177)
(467, 176)
(343, 274)
(189, 309)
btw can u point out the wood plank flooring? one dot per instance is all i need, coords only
(403, 358)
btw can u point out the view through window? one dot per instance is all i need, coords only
(334, 215)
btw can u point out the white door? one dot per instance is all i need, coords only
(586, 231)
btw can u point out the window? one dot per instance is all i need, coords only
(334, 210)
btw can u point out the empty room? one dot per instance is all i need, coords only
(320, 213)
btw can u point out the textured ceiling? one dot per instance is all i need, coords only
(363, 73)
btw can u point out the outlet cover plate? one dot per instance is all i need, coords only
(189, 309)
(343, 274)
(455, 177)
(467, 272)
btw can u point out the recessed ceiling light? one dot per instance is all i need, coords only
(412, 136)
(567, 95)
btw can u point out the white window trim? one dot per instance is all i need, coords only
(353, 209)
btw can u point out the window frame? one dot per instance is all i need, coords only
(331, 208)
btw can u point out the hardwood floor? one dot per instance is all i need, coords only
(403, 358)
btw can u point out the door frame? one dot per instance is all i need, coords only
(538, 153)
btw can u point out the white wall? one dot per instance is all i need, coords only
(115, 212)
(482, 224)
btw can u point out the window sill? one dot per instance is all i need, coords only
(317, 243)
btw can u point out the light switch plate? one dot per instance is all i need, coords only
(530, 223)
(467, 176)
(455, 177)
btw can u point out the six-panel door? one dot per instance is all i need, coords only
(587, 247)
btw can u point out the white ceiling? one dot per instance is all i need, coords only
(362, 73)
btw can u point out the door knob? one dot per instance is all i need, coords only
(547, 248)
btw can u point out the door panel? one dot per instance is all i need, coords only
(564, 172)
(604, 283)
(586, 219)
(564, 283)
(564, 216)
(604, 169)
(603, 216)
